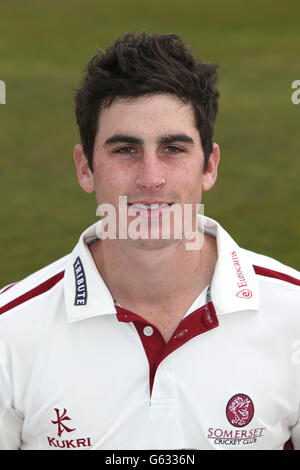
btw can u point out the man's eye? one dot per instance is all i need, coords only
(125, 150)
(173, 149)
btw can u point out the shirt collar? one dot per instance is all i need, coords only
(86, 294)
(234, 286)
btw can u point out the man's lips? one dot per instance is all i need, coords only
(155, 208)
(149, 203)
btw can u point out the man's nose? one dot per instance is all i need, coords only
(151, 172)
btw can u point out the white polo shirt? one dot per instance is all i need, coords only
(79, 372)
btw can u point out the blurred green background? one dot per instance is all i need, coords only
(44, 47)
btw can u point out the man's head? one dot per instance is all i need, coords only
(136, 66)
(146, 111)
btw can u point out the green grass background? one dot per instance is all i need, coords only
(44, 47)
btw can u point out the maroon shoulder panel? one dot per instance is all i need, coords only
(276, 274)
(38, 290)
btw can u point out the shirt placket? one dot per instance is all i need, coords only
(159, 353)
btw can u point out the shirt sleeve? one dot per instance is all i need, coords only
(10, 421)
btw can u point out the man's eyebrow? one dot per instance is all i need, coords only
(167, 139)
(118, 138)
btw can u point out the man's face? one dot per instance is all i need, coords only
(148, 149)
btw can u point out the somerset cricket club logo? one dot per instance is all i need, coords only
(60, 418)
(240, 410)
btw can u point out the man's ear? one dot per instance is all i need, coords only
(210, 175)
(84, 173)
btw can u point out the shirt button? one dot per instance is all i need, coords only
(180, 334)
(208, 317)
(148, 331)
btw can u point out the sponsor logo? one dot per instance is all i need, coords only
(80, 283)
(240, 410)
(61, 427)
(244, 293)
(69, 443)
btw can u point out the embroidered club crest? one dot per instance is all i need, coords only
(240, 410)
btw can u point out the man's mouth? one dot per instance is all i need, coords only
(151, 206)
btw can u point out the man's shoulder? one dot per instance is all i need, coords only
(279, 291)
(273, 270)
(279, 286)
(33, 289)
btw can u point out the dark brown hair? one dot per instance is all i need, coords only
(137, 65)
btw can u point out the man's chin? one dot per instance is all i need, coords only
(152, 244)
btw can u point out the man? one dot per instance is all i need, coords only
(144, 342)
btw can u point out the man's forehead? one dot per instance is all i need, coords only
(162, 114)
(142, 100)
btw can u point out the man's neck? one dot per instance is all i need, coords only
(139, 278)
